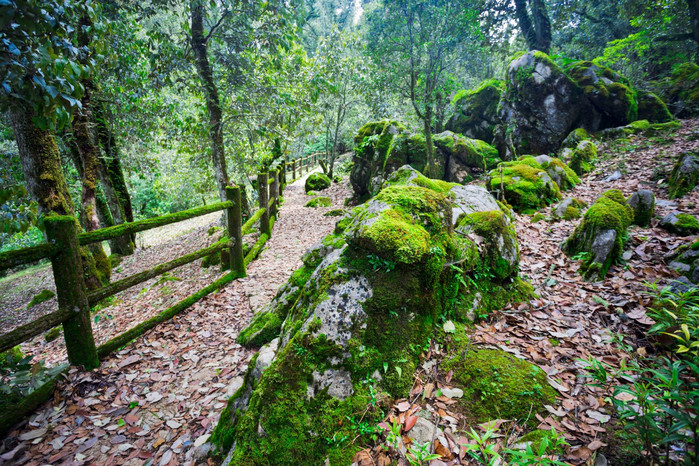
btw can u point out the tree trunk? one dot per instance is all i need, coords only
(694, 18)
(431, 166)
(536, 33)
(112, 177)
(43, 174)
(213, 105)
(89, 154)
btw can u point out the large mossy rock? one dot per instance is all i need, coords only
(581, 159)
(527, 187)
(352, 321)
(317, 182)
(599, 238)
(685, 175)
(611, 94)
(559, 171)
(643, 204)
(476, 114)
(541, 106)
(383, 147)
(681, 224)
(372, 144)
(651, 108)
(681, 90)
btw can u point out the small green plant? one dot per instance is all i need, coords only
(420, 454)
(378, 263)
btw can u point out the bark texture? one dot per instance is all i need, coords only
(210, 90)
(537, 27)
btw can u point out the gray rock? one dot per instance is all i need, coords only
(665, 203)
(452, 392)
(613, 177)
(681, 285)
(424, 431)
(469, 199)
(338, 382)
(265, 358)
(685, 175)
(603, 245)
(672, 223)
(643, 204)
(680, 267)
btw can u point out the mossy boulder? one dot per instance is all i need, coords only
(613, 97)
(559, 171)
(681, 90)
(317, 182)
(599, 238)
(568, 209)
(320, 201)
(464, 158)
(680, 224)
(11, 356)
(685, 260)
(540, 107)
(52, 334)
(372, 146)
(369, 295)
(685, 175)
(497, 385)
(525, 184)
(582, 158)
(41, 297)
(652, 108)
(574, 138)
(476, 110)
(643, 204)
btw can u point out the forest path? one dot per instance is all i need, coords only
(158, 399)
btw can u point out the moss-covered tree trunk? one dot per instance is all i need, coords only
(89, 155)
(210, 90)
(43, 174)
(112, 179)
(431, 166)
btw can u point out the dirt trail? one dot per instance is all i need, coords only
(158, 399)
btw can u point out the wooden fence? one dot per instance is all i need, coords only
(75, 300)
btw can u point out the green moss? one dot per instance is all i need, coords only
(535, 438)
(651, 108)
(524, 184)
(396, 236)
(320, 201)
(499, 235)
(312, 193)
(499, 386)
(115, 260)
(687, 223)
(317, 182)
(609, 212)
(213, 230)
(575, 137)
(52, 334)
(583, 157)
(571, 213)
(12, 355)
(211, 260)
(640, 126)
(334, 213)
(537, 218)
(264, 328)
(41, 297)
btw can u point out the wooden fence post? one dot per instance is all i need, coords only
(274, 192)
(70, 288)
(282, 179)
(235, 232)
(263, 191)
(293, 169)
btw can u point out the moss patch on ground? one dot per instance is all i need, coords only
(41, 297)
(320, 201)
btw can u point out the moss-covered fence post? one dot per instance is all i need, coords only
(262, 187)
(235, 232)
(274, 192)
(293, 169)
(72, 293)
(282, 178)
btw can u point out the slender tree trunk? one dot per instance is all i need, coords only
(89, 153)
(43, 174)
(213, 104)
(431, 165)
(112, 177)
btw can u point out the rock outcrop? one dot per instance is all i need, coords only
(383, 147)
(643, 204)
(680, 224)
(599, 238)
(685, 261)
(350, 323)
(476, 111)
